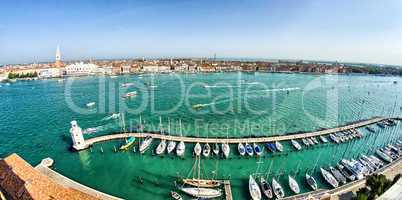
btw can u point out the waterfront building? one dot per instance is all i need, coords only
(155, 68)
(106, 70)
(78, 69)
(50, 72)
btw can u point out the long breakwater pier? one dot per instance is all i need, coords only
(284, 137)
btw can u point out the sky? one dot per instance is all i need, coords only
(344, 30)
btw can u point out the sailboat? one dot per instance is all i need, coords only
(249, 149)
(207, 150)
(311, 182)
(296, 145)
(181, 147)
(145, 144)
(161, 147)
(294, 186)
(197, 181)
(254, 189)
(171, 144)
(241, 149)
(225, 149)
(266, 188)
(279, 146)
(197, 149)
(257, 149)
(278, 190)
(216, 149)
(329, 178)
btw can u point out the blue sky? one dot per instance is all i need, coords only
(343, 30)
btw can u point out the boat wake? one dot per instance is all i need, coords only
(282, 89)
(113, 116)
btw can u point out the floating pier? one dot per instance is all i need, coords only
(228, 190)
(263, 139)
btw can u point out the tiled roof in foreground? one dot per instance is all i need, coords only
(21, 181)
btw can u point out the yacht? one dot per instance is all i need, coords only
(249, 149)
(197, 149)
(207, 150)
(225, 150)
(383, 156)
(257, 149)
(296, 145)
(346, 172)
(241, 149)
(266, 188)
(311, 182)
(254, 189)
(338, 175)
(206, 193)
(171, 146)
(180, 149)
(145, 144)
(333, 138)
(279, 146)
(216, 149)
(305, 142)
(161, 147)
(323, 139)
(294, 186)
(329, 178)
(278, 190)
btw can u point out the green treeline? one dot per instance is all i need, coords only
(22, 75)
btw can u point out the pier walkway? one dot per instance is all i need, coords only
(228, 190)
(353, 125)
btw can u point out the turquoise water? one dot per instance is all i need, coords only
(35, 118)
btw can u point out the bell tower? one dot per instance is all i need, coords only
(58, 57)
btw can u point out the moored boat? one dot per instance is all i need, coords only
(216, 149)
(338, 175)
(207, 150)
(257, 149)
(128, 143)
(279, 146)
(305, 142)
(249, 149)
(254, 189)
(323, 139)
(145, 144)
(171, 146)
(266, 188)
(205, 183)
(197, 149)
(241, 149)
(90, 104)
(225, 150)
(314, 140)
(329, 178)
(294, 186)
(175, 195)
(161, 147)
(270, 146)
(180, 149)
(130, 94)
(278, 190)
(296, 145)
(383, 156)
(346, 172)
(333, 138)
(311, 182)
(198, 192)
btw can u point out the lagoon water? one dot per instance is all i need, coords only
(35, 118)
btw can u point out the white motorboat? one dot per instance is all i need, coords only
(305, 142)
(296, 145)
(175, 195)
(207, 150)
(207, 193)
(161, 147)
(171, 146)
(329, 178)
(257, 149)
(225, 149)
(311, 182)
(90, 104)
(254, 189)
(145, 144)
(294, 186)
(279, 146)
(127, 84)
(197, 149)
(180, 149)
(130, 94)
(278, 190)
(241, 149)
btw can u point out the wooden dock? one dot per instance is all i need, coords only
(284, 137)
(228, 190)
